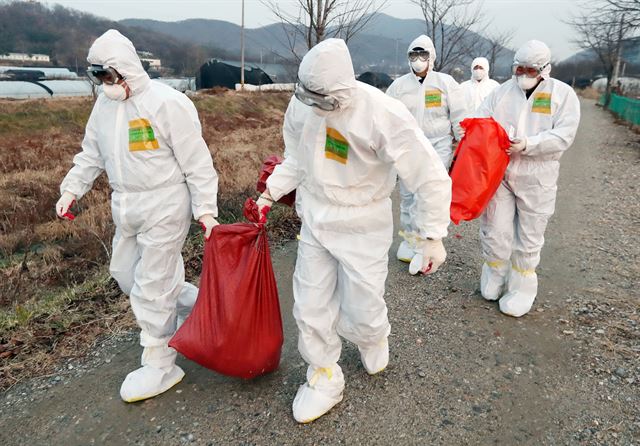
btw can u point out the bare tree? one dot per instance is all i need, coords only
(603, 32)
(316, 20)
(497, 43)
(630, 8)
(452, 25)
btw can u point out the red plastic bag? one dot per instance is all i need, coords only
(235, 327)
(267, 169)
(478, 167)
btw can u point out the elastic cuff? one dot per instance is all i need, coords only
(198, 213)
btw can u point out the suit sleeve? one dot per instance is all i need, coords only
(565, 126)
(457, 107)
(287, 176)
(401, 142)
(193, 156)
(88, 164)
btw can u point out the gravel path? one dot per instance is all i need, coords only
(460, 372)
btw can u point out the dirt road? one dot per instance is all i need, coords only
(460, 372)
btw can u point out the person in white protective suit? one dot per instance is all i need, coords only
(346, 144)
(541, 116)
(147, 137)
(479, 86)
(437, 102)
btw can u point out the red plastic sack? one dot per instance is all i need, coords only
(235, 327)
(478, 167)
(267, 169)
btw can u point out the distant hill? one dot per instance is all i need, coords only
(66, 35)
(375, 47)
(630, 53)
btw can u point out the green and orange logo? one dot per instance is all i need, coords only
(432, 98)
(336, 147)
(541, 103)
(141, 136)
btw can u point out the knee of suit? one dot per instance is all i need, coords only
(125, 280)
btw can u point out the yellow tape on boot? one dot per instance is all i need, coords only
(524, 272)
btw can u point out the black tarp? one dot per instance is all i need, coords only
(24, 75)
(216, 73)
(378, 80)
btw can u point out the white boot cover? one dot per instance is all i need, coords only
(157, 375)
(493, 279)
(319, 394)
(522, 288)
(405, 252)
(375, 359)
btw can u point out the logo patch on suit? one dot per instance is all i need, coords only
(141, 136)
(541, 103)
(432, 98)
(336, 147)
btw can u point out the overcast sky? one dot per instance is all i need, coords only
(531, 19)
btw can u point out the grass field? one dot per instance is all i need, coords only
(56, 296)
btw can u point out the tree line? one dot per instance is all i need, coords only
(66, 35)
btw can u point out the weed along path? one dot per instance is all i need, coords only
(460, 372)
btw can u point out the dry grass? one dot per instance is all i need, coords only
(590, 93)
(55, 293)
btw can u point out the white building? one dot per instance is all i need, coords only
(23, 57)
(154, 62)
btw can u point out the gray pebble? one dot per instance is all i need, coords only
(622, 373)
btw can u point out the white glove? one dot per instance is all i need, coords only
(264, 203)
(429, 260)
(517, 146)
(64, 204)
(208, 223)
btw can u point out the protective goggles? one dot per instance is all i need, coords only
(527, 70)
(312, 99)
(99, 74)
(419, 54)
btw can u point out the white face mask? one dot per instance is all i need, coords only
(115, 92)
(526, 83)
(478, 74)
(419, 66)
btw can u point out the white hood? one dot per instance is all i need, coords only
(425, 43)
(115, 50)
(327, 69)
(534, 52)
(483, 62)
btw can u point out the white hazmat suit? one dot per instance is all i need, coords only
(513, 225)
(479, 86)
(437, 102)
(161, 173)
(344, 165)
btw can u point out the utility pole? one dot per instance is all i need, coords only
(396, 76)
(242, 50)
(616, 70)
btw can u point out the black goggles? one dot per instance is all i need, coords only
(102, 74)
(419, 54)
(312, 99)
(529, 70)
